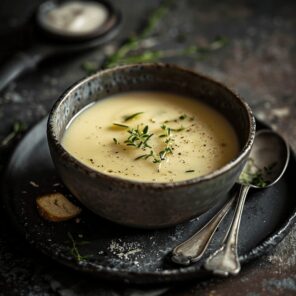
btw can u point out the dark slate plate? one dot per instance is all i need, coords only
(131, 255)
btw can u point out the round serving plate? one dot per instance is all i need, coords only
(115, 252)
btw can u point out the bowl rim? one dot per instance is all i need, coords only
(244, 151)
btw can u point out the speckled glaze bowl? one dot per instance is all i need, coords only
(142, 204)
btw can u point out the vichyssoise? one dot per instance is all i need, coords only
(151, 137)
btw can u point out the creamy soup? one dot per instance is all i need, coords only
(151, 137)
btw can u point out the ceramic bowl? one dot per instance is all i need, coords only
(142, 204)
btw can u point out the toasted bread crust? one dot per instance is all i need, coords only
(56, 207)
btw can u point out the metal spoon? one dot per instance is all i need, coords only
(271, 154)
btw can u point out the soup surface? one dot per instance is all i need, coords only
(151, 137)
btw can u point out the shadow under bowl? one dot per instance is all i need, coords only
(143, 204)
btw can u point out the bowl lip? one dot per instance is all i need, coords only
(52, 139)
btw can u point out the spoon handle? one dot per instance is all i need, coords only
(19, 63)
(193, 249)
(225, 260)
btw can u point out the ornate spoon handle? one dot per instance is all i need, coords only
(225, 260)
(193, 249)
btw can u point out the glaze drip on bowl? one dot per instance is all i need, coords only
(151, 137)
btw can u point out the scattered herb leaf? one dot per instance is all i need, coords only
(18, 127)
(178, 129)
(254, 175)
(190, 171)
(135, 42)
(182, 117)
(74, 250)
(132, 116)
(121, 125)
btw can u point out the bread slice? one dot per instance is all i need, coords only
(56, 207)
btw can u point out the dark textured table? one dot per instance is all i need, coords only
(258, 62)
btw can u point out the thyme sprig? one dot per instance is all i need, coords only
(147, 56)
(139, 137)
(161, 156)
(134, 42)
(74, 250)
(128, 52)
(168, 149)
(166, 131)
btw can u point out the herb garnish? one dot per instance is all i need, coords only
(161, 155)
(166, 130)
(138, 137)
(252, 175)
(121, 125)
(136, 42)
(181, 117)
(74, 250)
(190, 171)
(168, 149)
(18, 128)
(132, 116)
(128, 52)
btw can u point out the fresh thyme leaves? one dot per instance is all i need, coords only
(135, 42)
(138, 137)
(166, 131)
(155, 55)
(121, 125)
(161, 155)
(132, 116)
(134, 49)
(147, 156)
(254, 175)
(18, 127)
(190, 171)
(74, 250)
(167, 150)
